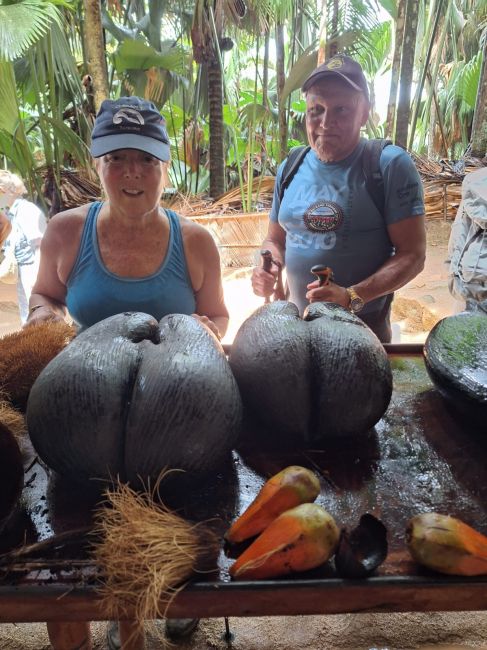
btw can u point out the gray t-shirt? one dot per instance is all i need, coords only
(329, 218)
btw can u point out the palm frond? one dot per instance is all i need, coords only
(135, 54)
(373, 58)
(65, 69)
(69, 141)
(23, 24)
(9, 114)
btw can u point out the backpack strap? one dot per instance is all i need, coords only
(294, 159)
(374, 182)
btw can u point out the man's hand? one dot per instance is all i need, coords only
(264, 283)
(204, 320)
(329, 292)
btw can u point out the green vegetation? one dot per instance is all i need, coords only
(232, 113)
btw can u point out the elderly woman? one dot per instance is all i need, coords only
(27, 226)
(127, 253)
(5, 226)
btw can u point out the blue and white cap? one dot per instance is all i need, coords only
(130, 123)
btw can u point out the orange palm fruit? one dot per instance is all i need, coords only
(287, 489)
(447, 545)
(300, 539)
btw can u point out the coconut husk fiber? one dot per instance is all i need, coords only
(25, 353)
(12, 418)
(146, 553)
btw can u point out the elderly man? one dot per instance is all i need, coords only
(326, 215)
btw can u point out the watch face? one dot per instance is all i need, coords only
(356, 304)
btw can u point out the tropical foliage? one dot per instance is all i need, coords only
(226, 75)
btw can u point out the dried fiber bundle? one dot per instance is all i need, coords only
(146, 553)
(25, 353)
(12, 419)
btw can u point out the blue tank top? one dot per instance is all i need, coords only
(94, 292)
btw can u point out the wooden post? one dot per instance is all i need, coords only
(132, 635)
(70, 635)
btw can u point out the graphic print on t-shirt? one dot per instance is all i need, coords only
(321, 217)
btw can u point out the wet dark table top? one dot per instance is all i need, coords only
(422, 456)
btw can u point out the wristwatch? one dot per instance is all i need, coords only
(356, 302)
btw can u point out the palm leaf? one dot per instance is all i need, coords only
(136, 55)
(67, 139)
(18, 152)
(469, 80)
(300, 71)
(23, 24)
(65, 69)
(9, 115)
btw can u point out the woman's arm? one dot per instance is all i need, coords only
(59, 248)
(204, 269)
(47, 301)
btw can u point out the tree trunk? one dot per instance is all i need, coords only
(280, 85)
(332, 44)
(217, 154)
(406, 75)
(95, 51)
(322, 54)
(395, 69)
(156, 12)
(479, 125)
(265, 96)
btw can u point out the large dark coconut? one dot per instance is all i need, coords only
(455, 354)
(307, 379)
(11, 473)
(131, 396)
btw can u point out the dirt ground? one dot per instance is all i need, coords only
(418, 306)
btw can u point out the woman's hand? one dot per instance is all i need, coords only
(209, 324)
(41, 313)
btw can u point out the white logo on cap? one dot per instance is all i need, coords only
(335, 63)
(129, 115)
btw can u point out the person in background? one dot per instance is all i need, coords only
(28, 225)
(467, 246)
(5, 227)
(127, 253)
(328, 217)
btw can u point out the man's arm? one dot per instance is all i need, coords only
(409, 240)
(263, 283)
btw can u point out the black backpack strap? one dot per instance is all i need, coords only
(374, 181)
(294, 160)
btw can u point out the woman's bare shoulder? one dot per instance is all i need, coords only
(70, 218)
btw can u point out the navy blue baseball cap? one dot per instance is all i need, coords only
(130, 123)
(343, 67)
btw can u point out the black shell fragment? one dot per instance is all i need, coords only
(363, 549)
